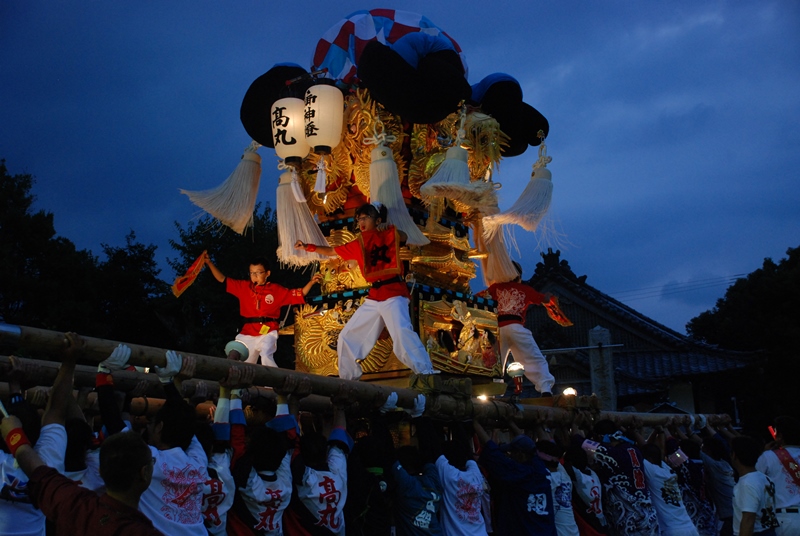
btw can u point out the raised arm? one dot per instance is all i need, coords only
(19, 445)
(316, 278)
(313, 248)
(219, 276)
(61, 394)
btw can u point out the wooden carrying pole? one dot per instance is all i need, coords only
(49, 345)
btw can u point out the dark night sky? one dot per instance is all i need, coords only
(674, 125)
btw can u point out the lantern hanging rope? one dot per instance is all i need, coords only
(384, 185)
(295, 222)
(233, 202)
(532, 204)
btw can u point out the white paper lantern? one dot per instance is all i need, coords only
(288, 130)
(324, 115)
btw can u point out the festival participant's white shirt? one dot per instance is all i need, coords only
(787, 494)
(754, 492)
(89, 478)
(461, 504)
(267, 495)
(324, 493)
(18, 517)
(673, 519)
(174, 500)
(590, 489)
(218, 493)
(561, 485)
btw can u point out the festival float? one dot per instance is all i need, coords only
(385, 113)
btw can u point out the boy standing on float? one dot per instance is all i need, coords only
(376, 251)
(260, 305)
(513, 300)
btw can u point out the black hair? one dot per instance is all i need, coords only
(652, 453)
(410, 458)
(179, 423)
(518, 266)
(789, 428)
(715, 447)
(205, 436)
(314, 449)
(691, 448)
(263, 261)
(368, 209)
(604, 427)
(122, 457)
(747, 450)
(457, 453)
(79, 439)
(577, 457)
(268, 448)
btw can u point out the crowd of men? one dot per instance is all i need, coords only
(258, 465)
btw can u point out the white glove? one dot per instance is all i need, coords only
(390, 404)
(174, 363)
(118, 360)
(419, 407)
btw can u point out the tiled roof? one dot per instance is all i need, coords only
(641, 370)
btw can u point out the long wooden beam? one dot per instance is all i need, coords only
(49, 345)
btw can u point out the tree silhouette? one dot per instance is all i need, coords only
(760, 313)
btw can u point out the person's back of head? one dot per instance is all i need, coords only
(652, 453)
(576, 457)
(603, 428)
(314, 450)
(745, 450)
(178, 419)
(409, 457)
(550, 452)
(789, 429)
(268, 448)
(371, 451)
(123, 457)
(690, 448)
(457, 454)
(715, 448)
(260, 410)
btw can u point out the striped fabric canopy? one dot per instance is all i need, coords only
(341, 46)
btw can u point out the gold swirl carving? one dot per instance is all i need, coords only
(363, 116)
(316, 336)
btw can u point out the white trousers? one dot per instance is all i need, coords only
(518, 340)
(363, 329)
(261, 345)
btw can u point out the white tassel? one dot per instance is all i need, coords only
(233, 202)
(452, 180)
(497, 267)
(295, 222)
(532, 204)
(384, 186)
(297, 188)
(321, 185)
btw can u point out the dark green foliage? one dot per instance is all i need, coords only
(44, 281)
(760, 313)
